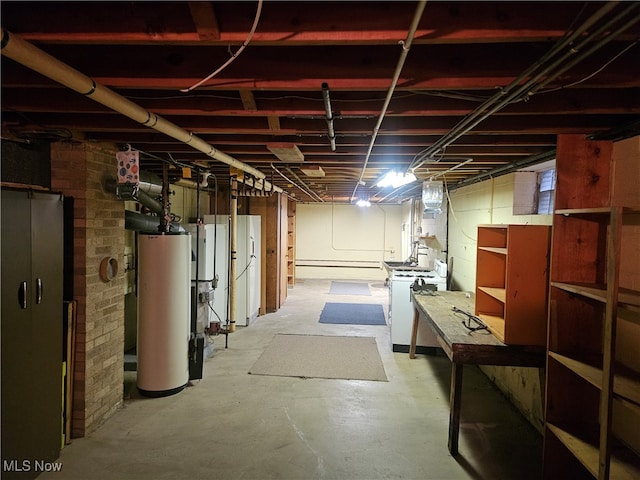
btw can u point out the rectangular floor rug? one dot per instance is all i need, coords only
(349, 288)
(353, 314)
(320, 356)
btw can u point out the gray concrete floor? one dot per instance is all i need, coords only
(233, 425)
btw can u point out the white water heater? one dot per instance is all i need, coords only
(164, 312)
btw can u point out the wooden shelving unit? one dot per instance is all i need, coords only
(291, 244)
(511, 281)
(592, 391)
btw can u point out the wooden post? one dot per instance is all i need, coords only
(455, 403)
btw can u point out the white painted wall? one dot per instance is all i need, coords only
(491, 202)
(339, 241)
(184, 203)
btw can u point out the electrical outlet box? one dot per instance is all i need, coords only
(206, 296)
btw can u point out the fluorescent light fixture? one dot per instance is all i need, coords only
(363, 203)
(395, 179)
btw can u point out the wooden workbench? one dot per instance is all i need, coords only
(463, 346)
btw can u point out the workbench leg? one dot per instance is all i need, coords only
(414, 334)
(455, 398)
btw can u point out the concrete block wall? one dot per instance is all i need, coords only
(80, 171)
(343, 242)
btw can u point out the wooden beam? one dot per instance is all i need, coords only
(274, 124)
(248, 100)
(300, 23)
(204, 18)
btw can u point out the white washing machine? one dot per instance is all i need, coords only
(401, 310)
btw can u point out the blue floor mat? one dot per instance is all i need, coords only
(353, 313)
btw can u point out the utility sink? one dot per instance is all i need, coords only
(390, 265)
(399, 264)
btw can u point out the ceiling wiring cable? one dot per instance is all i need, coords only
(605, 33)
(557, 60)
(453, 213)
(591, 75)
(309, 193)
(233, 55)
(448, 94)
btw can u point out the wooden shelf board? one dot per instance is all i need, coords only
(629, 214)
(627, 296)
(582, 211)
(591, 374)
(624, 464)
(584, 451)
(495, 325)
(598, 292)
(626, 384)
(502, 251)
(634, 408)
(497, 293)
(595, 292)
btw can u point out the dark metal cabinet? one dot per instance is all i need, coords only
(32, 323)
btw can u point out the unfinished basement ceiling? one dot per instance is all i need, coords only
(475, 96)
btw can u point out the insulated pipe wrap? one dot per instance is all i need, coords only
(32, 57)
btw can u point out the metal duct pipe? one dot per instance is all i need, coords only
(32, 57)
(150, 183)
(406, 45)
(147, 223)
(148, 201)
(149, 187)
(329, 113)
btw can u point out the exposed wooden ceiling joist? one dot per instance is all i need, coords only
(463, 53)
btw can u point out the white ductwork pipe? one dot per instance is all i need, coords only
(32, 57)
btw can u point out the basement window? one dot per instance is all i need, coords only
(547, 190)
(534, 190)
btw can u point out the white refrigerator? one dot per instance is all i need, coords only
(248, 266)
(248, 269)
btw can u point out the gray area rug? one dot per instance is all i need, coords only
(349, 288)
(320, 356)
(353, 313)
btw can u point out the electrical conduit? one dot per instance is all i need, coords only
(406, 45)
